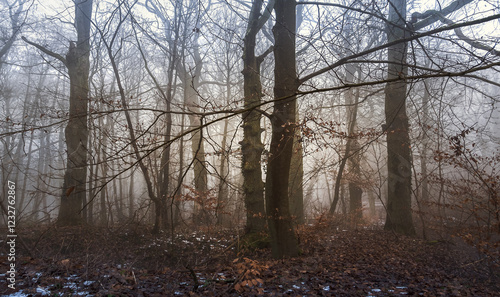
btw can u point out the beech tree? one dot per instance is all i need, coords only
(251, 145)
(283, 238)
(338, 64)
(399, 215)
(76, 132)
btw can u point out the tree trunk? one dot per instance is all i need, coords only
(283, 239)
(355, 192)
(190, 82)
(200, 215)
(425, 147)
(175, 206)
(371, 203)
(399, 213)
(101, 161)
(223, 195)
(251, 145)
(92, 167)
(76, 133)
(131, 208)
(39, 188)
(296, 187)
(22, 197)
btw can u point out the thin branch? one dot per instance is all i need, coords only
(471, 42)
(431, 16)
(261, 57)
(342, 61)
(46, 51)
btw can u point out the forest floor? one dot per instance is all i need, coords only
(129, 261)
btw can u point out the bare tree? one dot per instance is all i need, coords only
(283, 238)
(16, 10)
(251, 145)
(76, 132)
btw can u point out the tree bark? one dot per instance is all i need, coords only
(190, 79)
(191, 83)
(251, 145)
(223, 218)
(355, 191)
(399, 213)
(296, 187)
(283, 239)
(76, 132)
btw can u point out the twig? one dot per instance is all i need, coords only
(240, 277)
(195, 278)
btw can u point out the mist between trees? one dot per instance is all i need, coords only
(253, 115)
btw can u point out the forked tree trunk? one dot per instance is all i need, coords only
(251, 145)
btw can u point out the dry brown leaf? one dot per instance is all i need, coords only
(65, 262)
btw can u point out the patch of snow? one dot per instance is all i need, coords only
(17, 294)
(42, 291)
(88, 283)
(37, 276)
(71, 286)
(326, 288)
(376, 290)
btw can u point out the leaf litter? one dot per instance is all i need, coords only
(130, 262)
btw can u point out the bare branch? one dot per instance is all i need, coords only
(264, 55)
(46, 51)
(473, 43)
(431, 16)
(384, 46)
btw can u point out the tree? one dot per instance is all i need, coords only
(295, 183)
(76, 132)
(399, 214)
(15, 12)
(251, 145)
(283, 238)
